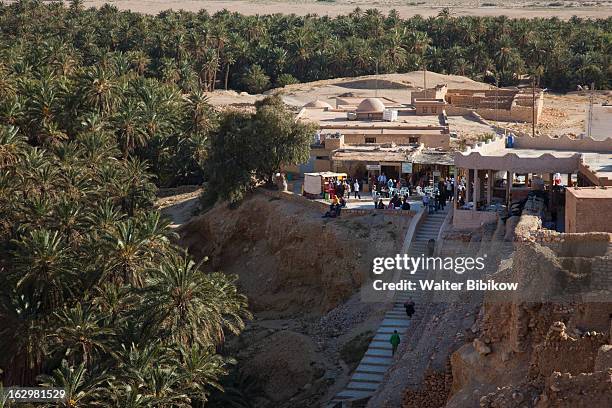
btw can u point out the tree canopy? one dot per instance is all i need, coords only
(94, 297)
(251, 147)
(203, 51)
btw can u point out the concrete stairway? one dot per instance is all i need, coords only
(377, 359)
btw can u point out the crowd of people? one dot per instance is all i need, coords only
(395, 203)
(398, 191)
(343, 188)
(387, 187)
(436, 200)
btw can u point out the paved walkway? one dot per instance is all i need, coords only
(377, 359)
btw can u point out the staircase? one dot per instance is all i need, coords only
(377, 359)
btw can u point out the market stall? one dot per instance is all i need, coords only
(317, 185)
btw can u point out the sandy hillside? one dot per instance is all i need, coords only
(302, 275)
(283, 251)
(511, 8)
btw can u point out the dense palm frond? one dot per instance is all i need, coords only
(82, 390)
(191, 306)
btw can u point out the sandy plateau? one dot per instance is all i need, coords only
(564, 9)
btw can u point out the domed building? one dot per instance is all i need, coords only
(318, 104)
(370, 108)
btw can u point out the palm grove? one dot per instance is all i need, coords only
(95, 297)
(98, 108)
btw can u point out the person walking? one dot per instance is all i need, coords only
(441, 200)
(356, 189)
(409, 307)
(395, 341)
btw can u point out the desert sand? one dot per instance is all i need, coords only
(563, 9)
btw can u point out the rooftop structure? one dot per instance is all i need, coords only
(318, 104)
(370, 105)
(370, 135)
(491, 169)
(351, 103)
(365, 124)
(588, 209)
(500, 104)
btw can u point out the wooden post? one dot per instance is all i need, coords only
(489, 186)
(455, 189)
(509, 176)
(476, 189)
(552, 183)
(468, 187)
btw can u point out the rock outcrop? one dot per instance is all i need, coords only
(549, 343)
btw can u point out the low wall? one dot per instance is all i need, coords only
(469, 219)
(517, 112)
(323, 207)
(563, 143)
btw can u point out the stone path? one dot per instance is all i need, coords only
(377, 359)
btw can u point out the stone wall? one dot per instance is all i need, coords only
(469, 220)
(564, 353)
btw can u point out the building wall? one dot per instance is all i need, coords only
(369, 116)
(587, 214)
(429, 108)
(429, 140)
(439, 92)
(510, 106)
(322, 165)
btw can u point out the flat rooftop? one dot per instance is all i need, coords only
(373, 153)
(329, 118)
(365, 130)
(599, 163)
(591, 192)
(566, 158)
(529, 153)
(601, 126)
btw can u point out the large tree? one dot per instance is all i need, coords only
(249, 148)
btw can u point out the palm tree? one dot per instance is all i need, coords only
(81, 390)
(193, 307)
(81, 335)
(12, 144)
(22, 336)
(201, 369)
(129, 254)
(129, 127)
(43, 263)
(97, 87)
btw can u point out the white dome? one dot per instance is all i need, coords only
(370, 105)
